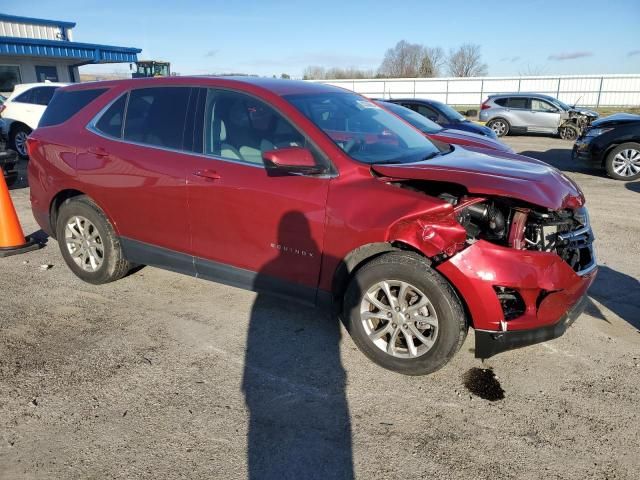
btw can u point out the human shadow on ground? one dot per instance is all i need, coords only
(294, 382)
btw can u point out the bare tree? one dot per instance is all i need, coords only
(321, 73)
(466, 61)
(432, 61)
(314, 72)
(410, 60)
(402, 61)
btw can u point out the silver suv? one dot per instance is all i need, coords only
(534, 113)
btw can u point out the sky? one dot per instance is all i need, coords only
(273, 37)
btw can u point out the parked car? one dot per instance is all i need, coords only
(21, 112)
(612, 143)
(8, 162)
(443, 115)
(534, 113)
(310, 192)
(435, 132)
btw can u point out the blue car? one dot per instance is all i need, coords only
(443, 115)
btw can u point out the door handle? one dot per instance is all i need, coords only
(98, 151)
(207, 174)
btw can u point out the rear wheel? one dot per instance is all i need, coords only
(499, 126)
(88, 242)
(623, 162)
(403, 315)
(18, 139)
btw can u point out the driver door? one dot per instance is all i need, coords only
(248, 228)
(546, 117)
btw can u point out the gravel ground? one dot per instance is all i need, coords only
(164, 376)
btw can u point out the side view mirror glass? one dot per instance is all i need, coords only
(291, 160)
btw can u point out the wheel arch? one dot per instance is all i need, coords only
(360, 256)
(67, 194)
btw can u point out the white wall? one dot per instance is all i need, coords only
(590, 90)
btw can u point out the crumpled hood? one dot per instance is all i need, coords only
(450, 135)
(586, 112)
(494, 173)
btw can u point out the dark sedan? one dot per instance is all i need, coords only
(613, 143)
(443, 114)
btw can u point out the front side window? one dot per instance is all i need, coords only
(240, 127)
(156, 116)
(450, 113)
(541, 106)
(419, 121)
(430, 113)
(42, 95)
(362, 129)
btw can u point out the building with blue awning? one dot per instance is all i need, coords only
(36, 50)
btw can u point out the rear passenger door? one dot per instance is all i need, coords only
(134, 164)
(519, 113)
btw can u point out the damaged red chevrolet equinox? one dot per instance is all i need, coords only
(312, 192)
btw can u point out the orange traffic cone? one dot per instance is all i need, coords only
(12, 239)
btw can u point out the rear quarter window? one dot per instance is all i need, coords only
(65, 104)
(501, 101)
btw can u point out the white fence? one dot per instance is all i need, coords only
(588, 90)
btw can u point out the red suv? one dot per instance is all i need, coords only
(316, 193)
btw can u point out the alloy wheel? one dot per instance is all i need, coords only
(84, 243)
(20, 141)
(399, 319)
(498, 127)
(627, 162)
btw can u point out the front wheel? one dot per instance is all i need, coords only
(623, 162)
(403, 315)
(499, 126)
(568, 132)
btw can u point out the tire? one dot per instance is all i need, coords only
(82, 227)
(18, 139)
(444, 326)
(499, 126)
(568, 132)
(623, 162)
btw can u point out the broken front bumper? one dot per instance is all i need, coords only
(549, 288)
(489, 344)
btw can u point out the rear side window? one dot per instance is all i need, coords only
(112, 121)
(156, 116)
(518, 102)
(65, 104)
(42, 95)
(501, 101)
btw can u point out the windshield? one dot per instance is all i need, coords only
(420, 122)
(562, 105)
(450, 113)
(362, 129)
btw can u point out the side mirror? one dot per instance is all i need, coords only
(292, 160)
